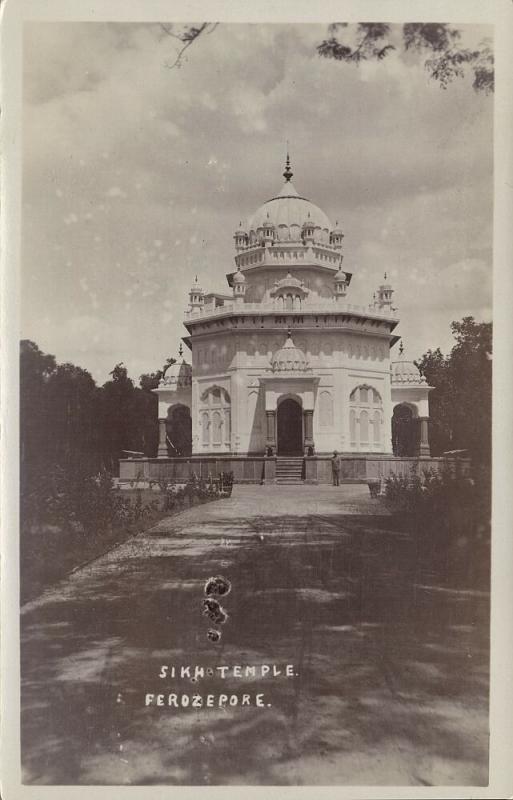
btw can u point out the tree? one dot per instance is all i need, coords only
(36, 368)
(445, 58)
(151, 380)
(461, 402)
(439, 44)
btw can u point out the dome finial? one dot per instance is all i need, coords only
(401, 348)
(288, 172)
(180, 350)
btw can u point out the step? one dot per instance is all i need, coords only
(289, 471)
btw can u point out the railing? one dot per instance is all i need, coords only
(289, 253)
(327, 306)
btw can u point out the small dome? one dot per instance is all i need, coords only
(337, 231)
(239, 277)
(196, 285)
(406, 372)
(178, 375)
(385, 285)
(340, 275)
(289, 358)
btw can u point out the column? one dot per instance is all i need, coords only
(162, 449)
(309, 447)
(424, 449)
(270, 443)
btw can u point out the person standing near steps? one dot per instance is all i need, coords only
(335, 468)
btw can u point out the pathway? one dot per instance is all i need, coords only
(389, 684)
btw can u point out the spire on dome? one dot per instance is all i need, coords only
(288, 172)
(180, 350)
(401, 348)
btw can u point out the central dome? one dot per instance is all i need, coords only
(287, 212)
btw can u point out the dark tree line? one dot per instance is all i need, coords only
(66, 419)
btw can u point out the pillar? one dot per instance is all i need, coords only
(162, 449)
(309, 447)
(270, 442)
(424, 449)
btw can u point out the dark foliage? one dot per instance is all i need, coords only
(449, 512)
(461, 402)
(445, 59)
(67, 420)
(364, 41)
(69, 517)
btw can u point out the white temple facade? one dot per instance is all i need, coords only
(284, 364)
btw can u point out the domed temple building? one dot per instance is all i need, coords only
(284, 368)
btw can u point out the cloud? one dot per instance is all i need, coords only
(115, 191)
(136, 176)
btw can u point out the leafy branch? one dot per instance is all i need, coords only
(187, 36)
(449, 60)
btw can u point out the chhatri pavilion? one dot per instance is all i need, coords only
(284, 369)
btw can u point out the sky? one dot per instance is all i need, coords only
(136, 175)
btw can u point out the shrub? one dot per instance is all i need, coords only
(449, 515)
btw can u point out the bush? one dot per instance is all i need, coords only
(449, 515)
(80, 501)
(436, 491)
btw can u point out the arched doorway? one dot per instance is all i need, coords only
(179, 431)
(290, 428)
(405, 434)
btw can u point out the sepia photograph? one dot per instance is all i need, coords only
(255, 403)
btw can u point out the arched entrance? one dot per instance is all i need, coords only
(179, 431)
(290, 428)
(405, 433)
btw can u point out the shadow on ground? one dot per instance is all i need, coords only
(392, 678)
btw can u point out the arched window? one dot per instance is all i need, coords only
(217, 425)
(364, 427)
(376, 424)
(352, 426)
(205, 433)
(366, 419)
(215, 421)
(325, 410)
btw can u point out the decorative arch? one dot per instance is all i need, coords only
(215, 395)
(290, 396)
(366, 418)
(215, 418)
(179, 430)
(405, 430)
(289, 420)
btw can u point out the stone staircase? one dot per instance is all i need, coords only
(289, 469)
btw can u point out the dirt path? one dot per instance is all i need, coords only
(389, 683)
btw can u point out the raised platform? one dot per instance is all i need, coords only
(354, 468)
